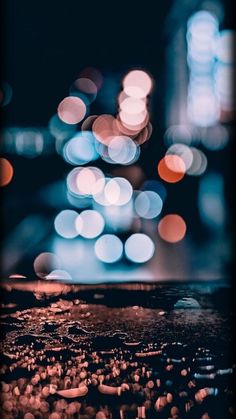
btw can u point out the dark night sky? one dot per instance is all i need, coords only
(48, 43)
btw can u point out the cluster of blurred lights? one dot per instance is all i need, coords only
(193, 160)
(106, 205)
(203, 106)
(211, 65)
(27, 142)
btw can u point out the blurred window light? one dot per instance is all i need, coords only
(148, 204)
(202, 25)
(203, 105)
(172, 228)
(203, 108)
(225, 46)
(89, 224)
(29, 142)
(224, 84)
(108, 248)
(211, 200)
(139, 248)
(215, 138)
(65, 224)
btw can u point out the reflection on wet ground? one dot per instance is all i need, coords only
(124, 351)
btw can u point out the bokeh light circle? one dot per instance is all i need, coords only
(45, 263)
(89, 224)
(148, 204)
(108, 248)
(122, 150)
(171, 168)
(85, 89)
(71, 110)
(80, 149)
(104, 128)
(172, 228)
(133, 120)
(85, 181)
(93, 74)
(125, 188)
(137, 84)
(139, 248)
(183, 151)
(6, 172)
(199, 163)
(132, 105)
(64, 224)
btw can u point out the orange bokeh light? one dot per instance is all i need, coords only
(171, 168)
(172, 228)
(6, 172)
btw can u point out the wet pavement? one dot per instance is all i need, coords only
(116, 351)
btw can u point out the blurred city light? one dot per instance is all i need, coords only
(139, 248)
(172, 228)
(65, 224)
(6, 172)
(109, 248)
